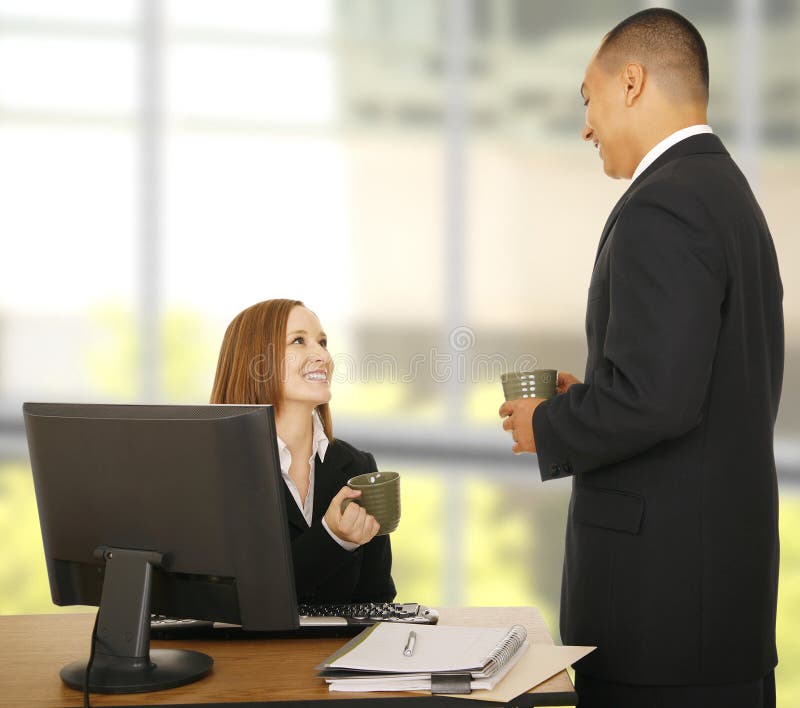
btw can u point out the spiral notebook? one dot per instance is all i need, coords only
(445, 659)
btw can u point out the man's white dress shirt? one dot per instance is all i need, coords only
(667, 143)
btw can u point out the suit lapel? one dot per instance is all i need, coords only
(293, 513)
(610, 222)
(329, 477)
(697, 144)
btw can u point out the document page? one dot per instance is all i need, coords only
(415, 682)
(437, 648)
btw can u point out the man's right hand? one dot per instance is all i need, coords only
(355, 524)
(565, 380)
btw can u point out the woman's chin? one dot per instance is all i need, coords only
(318, 398)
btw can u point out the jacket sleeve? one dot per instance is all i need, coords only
(666, 287)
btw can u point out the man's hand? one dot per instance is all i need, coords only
(565, 380)
(354, 524)
(518, 416)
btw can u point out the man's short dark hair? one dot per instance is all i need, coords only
(667, 41)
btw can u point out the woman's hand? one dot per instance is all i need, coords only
(355, 524)
(565, 380)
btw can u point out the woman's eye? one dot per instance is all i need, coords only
(297, 340)
(323, 343)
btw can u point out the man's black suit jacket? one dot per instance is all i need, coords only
(323, 570)
(671, 562)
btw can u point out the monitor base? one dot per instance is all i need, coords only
(167, 668)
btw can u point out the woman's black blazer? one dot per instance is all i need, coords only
(323, 570)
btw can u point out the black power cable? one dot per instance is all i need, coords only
(86, 703)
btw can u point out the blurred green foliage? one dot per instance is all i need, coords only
(24, 588)
(419, 544)
(23, 576)
(786, 675)
(188, 352)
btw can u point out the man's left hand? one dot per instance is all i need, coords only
(518, 416)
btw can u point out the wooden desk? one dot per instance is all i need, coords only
(263, 672)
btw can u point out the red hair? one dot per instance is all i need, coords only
(250, 364)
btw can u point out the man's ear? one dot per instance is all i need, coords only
(633, 77)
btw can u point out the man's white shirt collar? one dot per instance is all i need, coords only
(667, 143)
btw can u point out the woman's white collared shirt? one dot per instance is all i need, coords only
(319, 446)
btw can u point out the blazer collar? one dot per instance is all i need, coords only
(330, 475)
(705, 143)
(612, 219)
(293, 513)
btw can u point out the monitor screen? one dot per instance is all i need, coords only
(176, 510)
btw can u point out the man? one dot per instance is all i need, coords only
(671, 561)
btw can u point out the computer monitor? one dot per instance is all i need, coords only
(176, 510)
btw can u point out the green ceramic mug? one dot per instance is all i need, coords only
(539, 383)
(380, 497)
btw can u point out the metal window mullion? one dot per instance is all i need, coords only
(456, 126)
(749, 78)
(150, 140)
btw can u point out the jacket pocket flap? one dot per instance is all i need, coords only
(609, 509)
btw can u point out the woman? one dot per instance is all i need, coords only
(276, 352)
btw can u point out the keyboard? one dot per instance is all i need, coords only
(330, 620)
(364, 614)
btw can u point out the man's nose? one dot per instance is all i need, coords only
(587, 133)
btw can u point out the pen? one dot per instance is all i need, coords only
(412, 640)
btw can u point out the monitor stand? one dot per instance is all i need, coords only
(123, 661)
